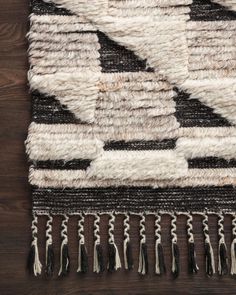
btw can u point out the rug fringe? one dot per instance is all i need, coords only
(34, 264)
(64, 254)
(49, 248)
(82, 250)
(128, 256)
(112, 253)
(143, 253)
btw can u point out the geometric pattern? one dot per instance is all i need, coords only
(133, 112)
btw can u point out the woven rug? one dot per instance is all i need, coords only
(133, 113)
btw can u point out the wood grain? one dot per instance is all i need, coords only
(15, 202)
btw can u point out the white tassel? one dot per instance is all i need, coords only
(64, 255)
(82, 251)
(37, 267)
(222, 249)
(98, 263)
(114, 262)
(143, 259)
(128, 257)
(233, 246)
(34, 262)
(159, 255)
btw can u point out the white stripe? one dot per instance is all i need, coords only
(207, 147)
(78, 179)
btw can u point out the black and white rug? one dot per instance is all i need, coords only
(133, 112)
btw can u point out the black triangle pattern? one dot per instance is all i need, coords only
(116, 58)
(192, 113)
(48, 110)
(205, 10)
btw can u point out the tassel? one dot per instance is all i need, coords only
(160, 267)
(34, 264)
(192, 264)
(49, 260)
(82, 259)
(193, 268)
(49, 248)
(223, 265)
(160, 262)
(64, 255)
(209, 255)
(128, 257)
(210, 264)
(223, 259)
(175, 249)
(98, 262)
(82, 251)
(114, 262)
(98, 266)
(233, 246)
(175, 260)
(143, 257)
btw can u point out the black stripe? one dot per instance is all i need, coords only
(136, 199)
(205, 10)
(41, 7)
(78, 164)
(139, 145)
(192, 113)
(211, 162)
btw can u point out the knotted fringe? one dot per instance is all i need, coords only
(233, 246)
(209, 255)
(64, 256)
(175, 249)
(34, 264)
(192, 264)
(98, 260)
(114, 262)
(223, 259)
(143, 257)
(128, 256)
(49, 247)
(82, 251)
(160, 267)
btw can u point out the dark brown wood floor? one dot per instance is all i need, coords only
(15, 203)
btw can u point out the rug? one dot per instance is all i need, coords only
(133, 113)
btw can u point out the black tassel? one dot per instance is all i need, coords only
(223, 270)
(49, 260)
(111, 257)
(65, 261)
(175, 262)
(210, 270)
(161, 260)
(129, 256)
(30, 261)
(100, 258)
(192, 265)
(84, 259)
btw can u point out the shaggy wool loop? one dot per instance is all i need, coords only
(133, 112)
